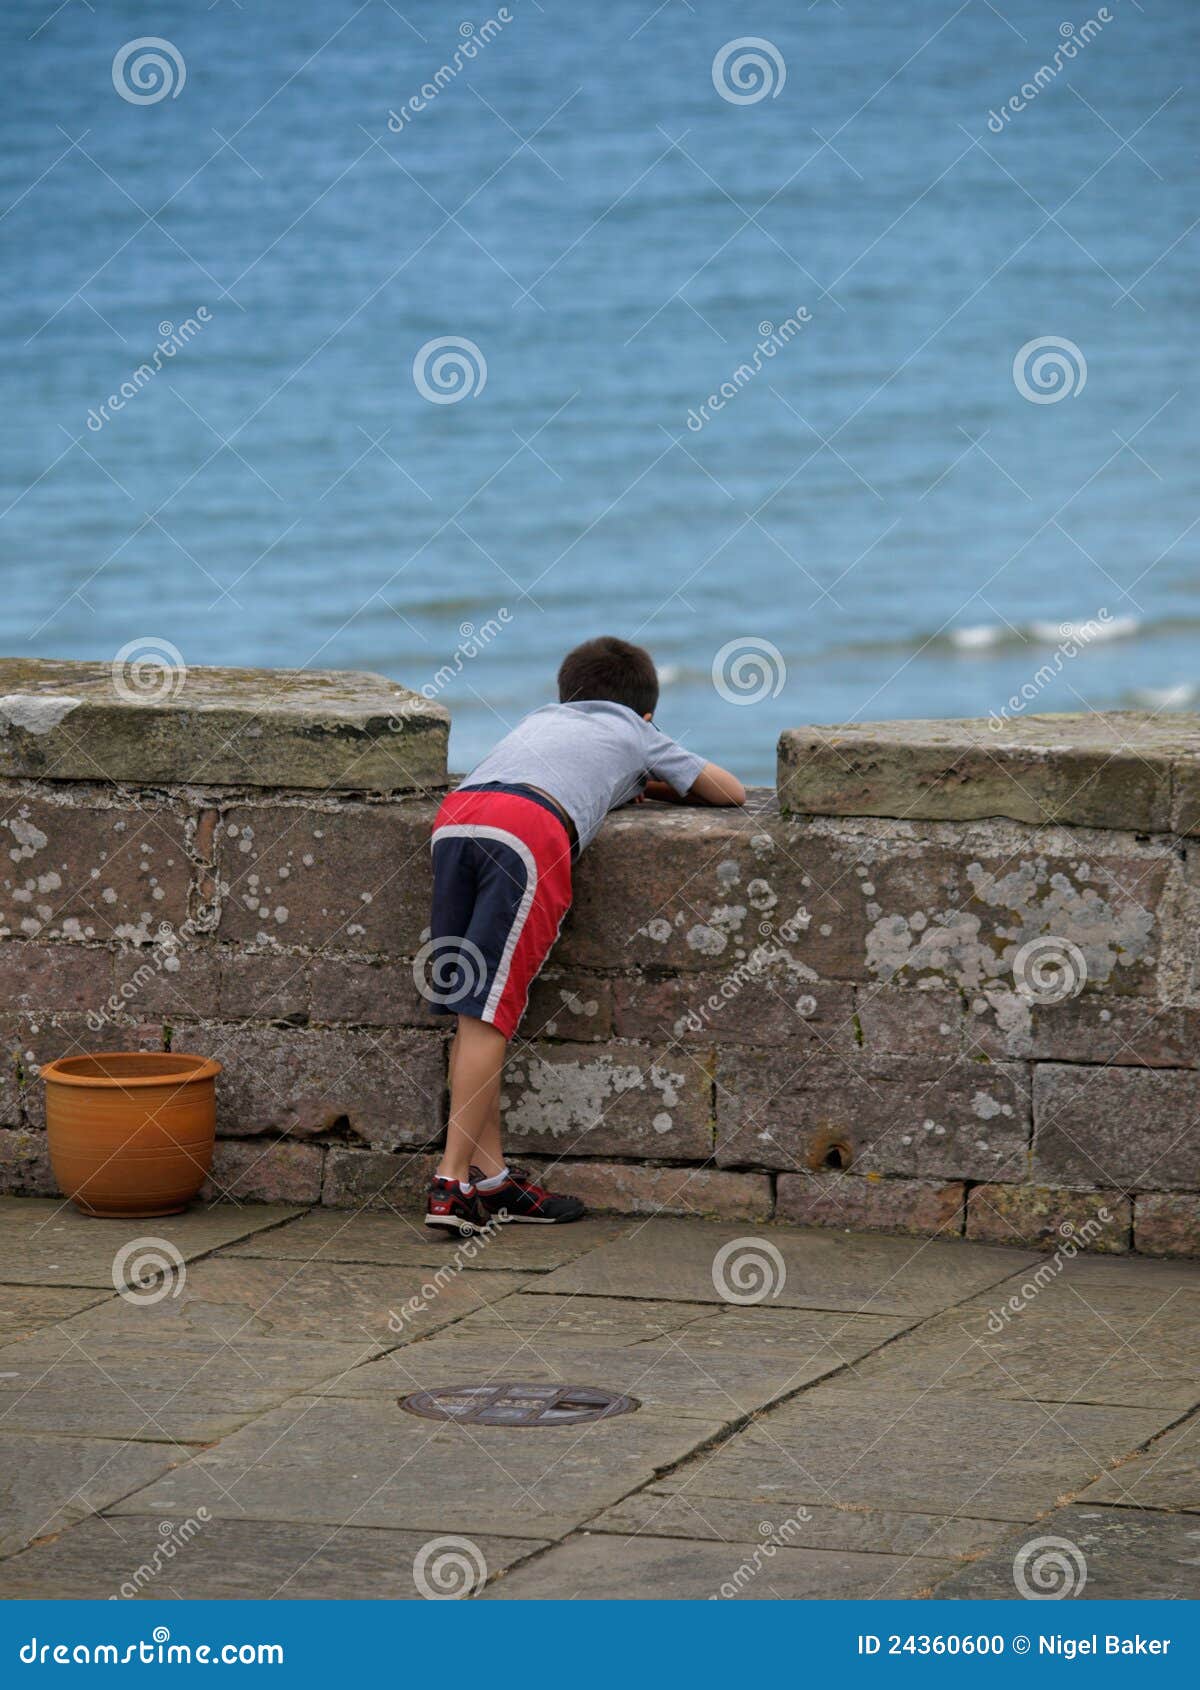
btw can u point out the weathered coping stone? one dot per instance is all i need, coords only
(1120, 769)
(149, 725)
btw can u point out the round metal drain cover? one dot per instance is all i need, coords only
(518, 1405)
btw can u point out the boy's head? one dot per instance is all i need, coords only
(609, 669)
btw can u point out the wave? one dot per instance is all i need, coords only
(1177, 697)
(993, 636)
(990, 638)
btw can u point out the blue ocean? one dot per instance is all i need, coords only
(845, 354)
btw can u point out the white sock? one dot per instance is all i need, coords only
(494, 1183)
(465, 1187)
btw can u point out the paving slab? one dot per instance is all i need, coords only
(402, 1240)
(1060, 1353)
(664, 1377)
(817, 1333)
(600, 1321)
(1167, 1475)
(24, 1308)
(132, 1555)
(343, 1302)
(650, 1569)
(46, 1241)
(1090, 1274)
(919, 1452)
(185, 1387)
(368, 1463)
(46, 1483)
(1129, 1554)
(822, 1269)
(656, 1512)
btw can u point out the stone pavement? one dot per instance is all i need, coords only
(821, 1414)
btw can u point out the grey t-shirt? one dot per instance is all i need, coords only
(590, 757)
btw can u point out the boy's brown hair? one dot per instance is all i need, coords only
(610, 669)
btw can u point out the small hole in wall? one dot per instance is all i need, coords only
(828, 1152)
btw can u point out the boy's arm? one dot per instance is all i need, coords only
(713, 785)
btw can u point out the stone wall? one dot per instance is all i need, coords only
(974, 1016)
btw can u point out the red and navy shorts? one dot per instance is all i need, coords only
(501, 887)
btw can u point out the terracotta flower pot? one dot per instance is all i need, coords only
(131, 1132)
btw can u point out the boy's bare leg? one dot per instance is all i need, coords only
(476, 1070)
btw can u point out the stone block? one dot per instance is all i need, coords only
(616, 1100)
(376, 1179)
(1012, 925)
(937, 1119)
(82, 868)
(349, 879)
(866, 1203)
(901, 1021)
(176, 982)
(57, 979)
(675, 889)
(264, 1173)
(1094, 769)
(1167, 1223)
(155, 726)
(25, 1169)
(621, 1189)
(1131, 1128)
(1127, 1032)
(263, 986)
(567, 1005)
(770, 1003)
(384, 1089)
(382, 993)
(1040, 1218)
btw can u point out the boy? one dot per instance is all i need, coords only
(503, 846)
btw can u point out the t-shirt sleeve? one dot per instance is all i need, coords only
(666, 760)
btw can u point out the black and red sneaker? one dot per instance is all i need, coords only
(448, 1205)
(520, 1198)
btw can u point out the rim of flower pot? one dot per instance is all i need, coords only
(166, 1066)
